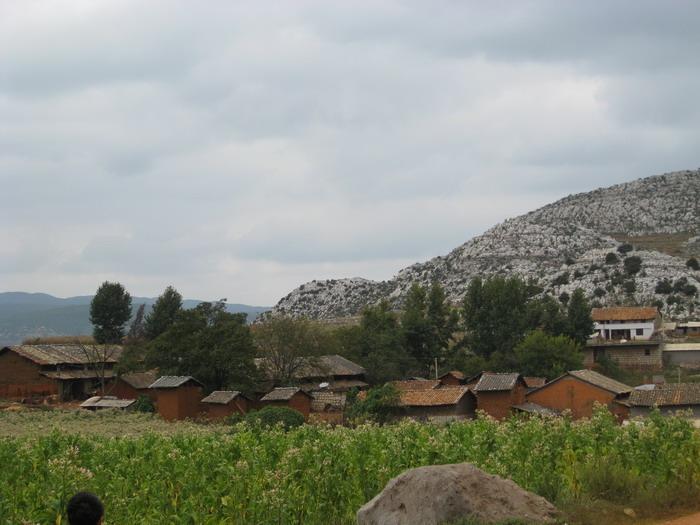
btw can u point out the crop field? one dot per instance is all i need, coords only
(319, 475)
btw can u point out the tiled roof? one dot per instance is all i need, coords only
(601, 381)
(140, 380)
(221, 397)
(107, 402)
(493, 382)
(77, 374)
(73, 354)
(437, 397)
(454, 373)
(624, 313)
(670, 394)
(173, 381)
(327, 401)
(534, 382)
(281, 393)
(534, 408)
(417, 384)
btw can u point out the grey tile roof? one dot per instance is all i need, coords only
(221, 397)
(140, 379)
(281, 393)
(107, 402)
(172, 381)
(73, 354)
(670, 394)
(601, 381)
(493, 382)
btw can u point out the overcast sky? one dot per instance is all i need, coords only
(238, 150)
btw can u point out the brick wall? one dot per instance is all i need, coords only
(217, 411)
(20, 378)
(179, 403)
(497, 404)
(572, 394)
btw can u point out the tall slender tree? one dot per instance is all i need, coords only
(110, 310)
(163, 314)
(579, 317)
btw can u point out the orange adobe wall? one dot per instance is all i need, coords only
(497, 404)
(450, 380)
(569, 393)
(20, 378)
(217, 411)
(124, 390)
(179, 403)
(300, 402)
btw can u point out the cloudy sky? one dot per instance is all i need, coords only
(238, 149)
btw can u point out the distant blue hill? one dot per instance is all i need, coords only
(24, 315)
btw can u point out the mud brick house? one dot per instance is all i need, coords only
(629, 355)
(452, 378)
(579, 391)
(331, 373)
(221, 404)
(289, 397)
(134, 384)
(66, 371)
(438, 405)
(177, 397)
(668, 398)
(496, 393)
(628, 323)
(328, 407)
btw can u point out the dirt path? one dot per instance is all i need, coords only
(693, 519)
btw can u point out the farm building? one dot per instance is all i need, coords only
(578, 391)
(177, 397)
(415, 384)
(668, 398)
(688, 328)
(221, 404)
(290, 397)
(70, 371)
(629, 323)
(452, 378)
(439, 404)
(327, 407)
(106, 402)
(629, 355)
(134, 384)
(334, 372)
(686, 355)
(496, 393)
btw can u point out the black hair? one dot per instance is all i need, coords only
(85, 509)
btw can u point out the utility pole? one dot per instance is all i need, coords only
(436, 372)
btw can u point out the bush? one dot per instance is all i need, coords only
(693, 264)
(564, 298)
(633, 265)
(611, 258)
(663, 287)
(144, 404)
(629, 286)
(673, 299)
(599, 292)
(569, 261)
(270, 416)
(689, 290)
(380, 404)
(561, 279)
(624, 249)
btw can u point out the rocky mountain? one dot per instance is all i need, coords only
(561, 247)
(24, 315)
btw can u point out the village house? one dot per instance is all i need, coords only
(684, 355)
(629, 323)
(688, 328)
(579, 391)
(629, 355)
(221, 404)
(134, 384)
(289, 397)
(438, 405)
(669, 398)
(496, 393)
(452, 378)
(67, 371)
(534, 382)
(332, 373)
(177, 397)
(327, 407)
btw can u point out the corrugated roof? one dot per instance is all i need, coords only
(68, 354)
(534, 382)
(599, 380)
(681, 347)
(281, 393)
(172, 381)
(492, 382)
(534, 408)
(327, 401)
(670, 394)
(416, 384)
(221, 397)
(77, 374)
(437, 397)
(140, 380)
(107, 402)
(624, 313)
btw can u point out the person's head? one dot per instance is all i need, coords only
(85, 509)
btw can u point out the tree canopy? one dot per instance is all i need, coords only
(544, 355)
(110, 310)
(163, 314)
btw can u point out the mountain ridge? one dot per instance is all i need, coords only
(570, 236)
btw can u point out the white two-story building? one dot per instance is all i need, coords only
(626, 323)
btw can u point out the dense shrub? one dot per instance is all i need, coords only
(663, 287)
(144, 404)
(624, 249)
(633, 264)
(611, 258)
(561, 279)
(564, 298)
(629, 286)
(270, 416)
(599, 292)
(693, 264)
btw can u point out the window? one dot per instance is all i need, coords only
(640, 331)
(647, 351)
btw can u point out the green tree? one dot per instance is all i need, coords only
(633, 264)
(693, 264)
(443, 318)
(208, 343)
(415, 327)
(544, 355)
(380, 404)
(137, 329)
(580, 323)
(110, 310)
(546, 314)
(494, 315)
(163, 314)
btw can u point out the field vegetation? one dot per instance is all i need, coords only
(317, 475)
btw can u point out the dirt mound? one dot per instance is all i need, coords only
(450, 493)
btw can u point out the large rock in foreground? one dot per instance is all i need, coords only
(450, 493)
